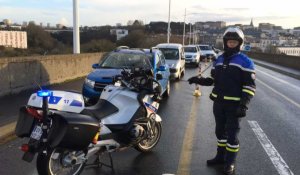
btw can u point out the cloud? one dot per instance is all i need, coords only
(102, 12)
(236, 9)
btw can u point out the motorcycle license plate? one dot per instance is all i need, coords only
(36, 133)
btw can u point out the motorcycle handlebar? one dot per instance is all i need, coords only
(138, 79)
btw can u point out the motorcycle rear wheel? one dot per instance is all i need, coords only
(53, 164)
(147, 144)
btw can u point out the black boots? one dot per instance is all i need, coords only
(224, 157)
(218, 159)
(229, 167)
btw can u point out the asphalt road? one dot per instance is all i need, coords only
(269, 137)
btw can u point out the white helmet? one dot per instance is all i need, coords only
(233, 33)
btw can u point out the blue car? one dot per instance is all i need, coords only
(112, 65)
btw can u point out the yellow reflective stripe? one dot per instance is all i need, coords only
(232, 150)
(214, 95)
(222, 144)
(248, 91)
(232, 98)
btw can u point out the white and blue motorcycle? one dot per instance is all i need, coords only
(65, 134)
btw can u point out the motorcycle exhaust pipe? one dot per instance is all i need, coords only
(109, 144)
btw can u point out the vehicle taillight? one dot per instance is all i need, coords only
(24, 148)
(38, 114)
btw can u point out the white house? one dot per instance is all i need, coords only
(120, 33)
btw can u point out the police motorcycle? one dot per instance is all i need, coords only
(65, 134)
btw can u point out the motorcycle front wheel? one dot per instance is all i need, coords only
(59, 162)
(151, 141)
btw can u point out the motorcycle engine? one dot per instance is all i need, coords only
(137, 132)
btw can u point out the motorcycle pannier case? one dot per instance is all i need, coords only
(72, 131)
(25, 123)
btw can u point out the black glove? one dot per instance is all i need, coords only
(241, 111)
(201, 81)
(194, 80)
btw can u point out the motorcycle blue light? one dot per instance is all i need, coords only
(44, 93)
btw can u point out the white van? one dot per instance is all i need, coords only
(175, 58)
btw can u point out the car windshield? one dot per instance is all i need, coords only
(205, 48)
(170, 54)
(125, 60)
(190, 49)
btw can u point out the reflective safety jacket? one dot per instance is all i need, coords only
(234, 79)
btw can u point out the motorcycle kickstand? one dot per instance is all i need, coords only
(99, 164)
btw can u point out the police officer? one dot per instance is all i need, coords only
(233, 78)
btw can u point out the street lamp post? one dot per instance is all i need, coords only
(190, 33)
(168, 40)
(76, 39)
(183, 37)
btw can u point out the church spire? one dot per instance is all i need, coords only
(251, 23)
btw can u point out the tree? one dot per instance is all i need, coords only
(38, 38)
(98, 46)
(134, 39)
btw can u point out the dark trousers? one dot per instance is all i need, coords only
(227, 128)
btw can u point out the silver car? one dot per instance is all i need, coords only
(175, 58)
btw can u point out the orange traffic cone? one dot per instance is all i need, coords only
(197, 92)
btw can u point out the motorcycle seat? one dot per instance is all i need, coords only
(100, 110)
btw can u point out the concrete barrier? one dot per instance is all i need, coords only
(282, 60)
(21, 73)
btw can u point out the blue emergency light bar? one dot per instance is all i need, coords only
(44, 93)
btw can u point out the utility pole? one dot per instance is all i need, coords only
(190, 33)
(76, 38)
(194, 35)
(168, 40)
(183, 37)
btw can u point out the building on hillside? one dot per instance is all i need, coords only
(293, 51)
(265, 26)
(210, 25)
(14, 39)
(209, 39)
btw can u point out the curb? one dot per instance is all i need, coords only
(7, 131)
(296, 76)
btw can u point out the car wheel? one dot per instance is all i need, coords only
(167, 92)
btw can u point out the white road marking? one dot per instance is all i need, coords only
(277, 160)
(187, 145)
(280, 80)
(285, 97)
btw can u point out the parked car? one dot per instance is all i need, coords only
(114, 62)
(207, 52)
(192, 55)
(175, 58)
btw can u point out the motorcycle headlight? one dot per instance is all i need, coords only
(89, 83)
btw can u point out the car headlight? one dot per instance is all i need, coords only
(89, 83)
(194, 56)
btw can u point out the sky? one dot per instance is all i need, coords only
(109, 12)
